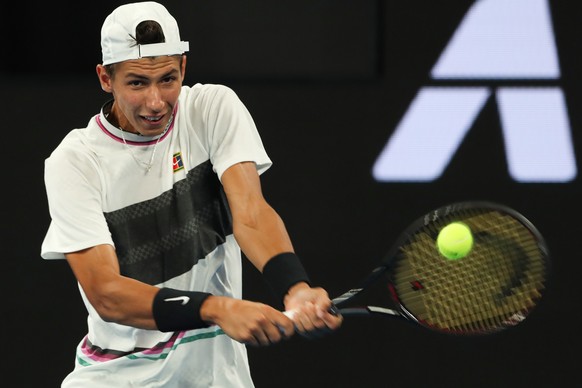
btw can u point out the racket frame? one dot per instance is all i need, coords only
(386, 264)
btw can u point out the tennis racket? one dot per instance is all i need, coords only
(494, 287)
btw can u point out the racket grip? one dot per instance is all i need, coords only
(314, 334)
(289, 313)
(334, 310)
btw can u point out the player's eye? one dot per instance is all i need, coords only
(135, 83)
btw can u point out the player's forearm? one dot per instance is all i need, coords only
(262, 236)
(136, 304)
(114, 297)
(126, 302)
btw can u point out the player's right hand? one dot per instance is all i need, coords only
(250, 323)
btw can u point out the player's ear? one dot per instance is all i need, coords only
(104, 78)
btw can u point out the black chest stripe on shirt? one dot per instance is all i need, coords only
(161, 238)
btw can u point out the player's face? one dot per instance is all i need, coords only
(145, 91)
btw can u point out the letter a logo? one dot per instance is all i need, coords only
(498, 40)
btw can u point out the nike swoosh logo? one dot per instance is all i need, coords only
(184, 299)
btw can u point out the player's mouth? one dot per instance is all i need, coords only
(153, 120)
(152, 125)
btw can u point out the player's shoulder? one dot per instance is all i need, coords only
(207, 91)
(74, 144)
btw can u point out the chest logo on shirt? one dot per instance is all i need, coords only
(177, 163)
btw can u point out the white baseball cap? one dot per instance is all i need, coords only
(118, 30)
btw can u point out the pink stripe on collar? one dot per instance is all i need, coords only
(136, 143)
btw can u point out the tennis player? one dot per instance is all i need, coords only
(151, 204)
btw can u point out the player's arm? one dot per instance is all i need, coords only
(263, 238)
(116, 298)
(126, 301)
(258, 229)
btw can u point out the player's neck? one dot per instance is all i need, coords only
(116, 118)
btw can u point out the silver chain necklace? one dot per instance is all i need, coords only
(148, 166)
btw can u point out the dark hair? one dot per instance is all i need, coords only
(146, 32)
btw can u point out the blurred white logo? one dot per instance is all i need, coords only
(498, 40)
(183, 299)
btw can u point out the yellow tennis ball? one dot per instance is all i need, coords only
(455, 241)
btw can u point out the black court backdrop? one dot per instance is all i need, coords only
(329, 83)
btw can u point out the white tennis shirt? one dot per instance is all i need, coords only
(170, 226)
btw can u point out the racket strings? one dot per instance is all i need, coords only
(493, 287)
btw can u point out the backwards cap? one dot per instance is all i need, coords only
(117, 44)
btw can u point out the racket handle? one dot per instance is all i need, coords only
(316, 334)
(334, 310)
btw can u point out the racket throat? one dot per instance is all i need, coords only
(368, 310)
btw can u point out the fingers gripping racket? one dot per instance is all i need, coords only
(494, 287)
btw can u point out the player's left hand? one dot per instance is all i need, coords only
(311, 310)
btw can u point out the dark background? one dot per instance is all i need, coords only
(327, 81)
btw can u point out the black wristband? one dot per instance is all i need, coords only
(283, 271)
(176, 310)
